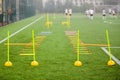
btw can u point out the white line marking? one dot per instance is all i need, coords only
(110, 22)
(24, 27)
(111, 47)
(113, 57)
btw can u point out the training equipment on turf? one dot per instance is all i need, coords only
(72, 36)
(29, 48)
(105, 49)
(67, 22)
(78, 62)
(34, 62)
(110, 62)
(82, 47)
(48, 22)
(8, 63)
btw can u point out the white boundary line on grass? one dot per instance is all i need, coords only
(110, 22)
(113, 57)
(24, 27)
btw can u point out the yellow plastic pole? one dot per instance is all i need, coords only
(108, 41)
(69, 19)
(34, 62)
(47, 23)
(8, 55)
(33, 41)
(8, 63)
(78, 47)
(78, 63)
(47, 17)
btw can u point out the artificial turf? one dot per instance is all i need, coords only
(56, 55)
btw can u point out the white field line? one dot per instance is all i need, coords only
(24, 27)
(109, 22)
(113, 57)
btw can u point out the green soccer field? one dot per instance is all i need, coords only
(55, 53)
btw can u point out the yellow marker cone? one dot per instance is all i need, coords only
(78, 63)
(111, 63)
(34, 63)
(8, 64)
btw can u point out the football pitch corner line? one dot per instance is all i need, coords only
(112, 56)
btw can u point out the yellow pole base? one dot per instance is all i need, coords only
(8, 64)
(34, 63)
(77, 63)
(66, 23)
(111, 63)
(49, 23)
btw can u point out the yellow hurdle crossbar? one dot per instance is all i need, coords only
(93, 44)
(27, 54)
(78, 46)
(19, 44)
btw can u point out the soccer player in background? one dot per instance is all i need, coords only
(104, 13)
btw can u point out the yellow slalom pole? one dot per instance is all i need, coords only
(8, 63)
(78, 62)
(69, 20)
(33, 41)
(108, 41)
(78, 47)
(47, 17)
(34, 62)
(110, 62)
(8, 47)
(48, 23)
